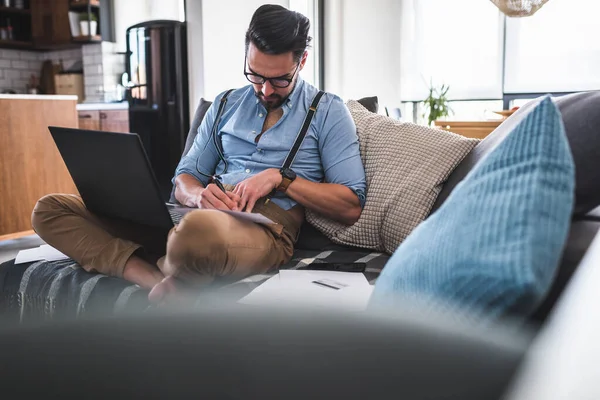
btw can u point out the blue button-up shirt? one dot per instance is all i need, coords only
(329, 152)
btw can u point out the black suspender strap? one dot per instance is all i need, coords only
(214, 134)
(215, 128)
(300, 138)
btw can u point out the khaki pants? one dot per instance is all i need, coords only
(205, 244)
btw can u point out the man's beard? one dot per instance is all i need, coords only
(275, 101)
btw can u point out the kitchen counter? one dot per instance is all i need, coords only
(37, 97)
(102, 106)
(30, 163)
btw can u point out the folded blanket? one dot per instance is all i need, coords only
(62, 289)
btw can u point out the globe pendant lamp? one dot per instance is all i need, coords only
(519, 8)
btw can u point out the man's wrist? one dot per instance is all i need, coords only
(288, 176)
(277, 178)
(194, 195)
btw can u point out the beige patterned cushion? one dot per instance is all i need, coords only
(406, 166)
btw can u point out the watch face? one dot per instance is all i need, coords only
(288, 173)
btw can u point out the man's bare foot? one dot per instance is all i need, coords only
(142, 272)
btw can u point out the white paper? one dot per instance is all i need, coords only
(297, 288)
(44, 252)
(308, 276)
(254, 217)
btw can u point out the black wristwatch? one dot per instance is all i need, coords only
(288, 176)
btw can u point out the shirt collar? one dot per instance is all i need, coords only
(295, 95)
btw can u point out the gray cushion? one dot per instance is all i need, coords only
(581, 117)
(198, 117)
(370, 103)
(405, 166)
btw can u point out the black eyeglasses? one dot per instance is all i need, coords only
(278, 82)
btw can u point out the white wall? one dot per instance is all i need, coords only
(131, 12)
(362, 49)
(195, 44)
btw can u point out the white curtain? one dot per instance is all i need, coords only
(555, 50)
(458, 43)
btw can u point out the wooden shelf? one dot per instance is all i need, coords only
(79, 4)
(15, 10)
(471, 129)
(16, 44)
(88, 39)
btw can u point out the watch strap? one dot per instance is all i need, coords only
(285, 183)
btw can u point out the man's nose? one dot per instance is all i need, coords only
(267, 89)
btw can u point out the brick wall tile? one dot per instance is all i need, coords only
(11, 54)
(12, 74)
(30, 56)
(19, 64)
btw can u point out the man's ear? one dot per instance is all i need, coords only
(303, 60)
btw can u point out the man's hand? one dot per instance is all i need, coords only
(213, 198)
(256, 187)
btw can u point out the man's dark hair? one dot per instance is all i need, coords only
(276, 30)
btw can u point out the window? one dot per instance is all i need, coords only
(443, 42)
(309, 8)
(466, 110)
(485, 56)
(556, 50)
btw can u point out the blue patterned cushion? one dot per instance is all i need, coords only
(493, 248)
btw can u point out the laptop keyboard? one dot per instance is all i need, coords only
(175, 216)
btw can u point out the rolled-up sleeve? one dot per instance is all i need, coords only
(203, 154)
(340, 150)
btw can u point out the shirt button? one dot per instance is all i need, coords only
(254, 132)
(259, 150)
(247, 171)
(260, 115)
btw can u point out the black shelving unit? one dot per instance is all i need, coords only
(99, 10)
(19, 20)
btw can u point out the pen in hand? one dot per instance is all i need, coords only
(219, 184)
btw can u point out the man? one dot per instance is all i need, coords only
(254, 135)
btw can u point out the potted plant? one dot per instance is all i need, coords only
(436, 104)
(88, 22)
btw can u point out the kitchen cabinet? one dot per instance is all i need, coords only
(45, 25)
(50, 24)
(89, 120)
(114, 121)
(104, 120)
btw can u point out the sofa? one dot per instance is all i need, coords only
(60, 289)
(98, 337)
